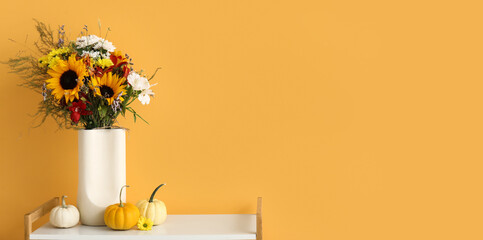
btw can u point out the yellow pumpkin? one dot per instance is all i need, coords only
(153, 208)
(122, 216)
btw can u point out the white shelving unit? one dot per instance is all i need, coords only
(176, 227)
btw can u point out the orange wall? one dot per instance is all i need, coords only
(353, 119)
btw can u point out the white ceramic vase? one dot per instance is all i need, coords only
(102, 172)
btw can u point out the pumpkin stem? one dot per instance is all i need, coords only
(120, 194)
(154, 192)
(63, 201)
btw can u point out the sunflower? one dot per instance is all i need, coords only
(67, 78)
(109, 86)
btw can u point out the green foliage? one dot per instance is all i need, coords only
(33, 76)
(46, 42)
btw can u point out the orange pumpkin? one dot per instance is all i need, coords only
(122, 216)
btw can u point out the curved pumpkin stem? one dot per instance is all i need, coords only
(120, 194)
(63, 201)
(154, 192)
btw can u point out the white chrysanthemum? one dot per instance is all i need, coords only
(92, 39)
(105, 45)
(92, 54)
(85, 41)
(106, 55)
(81, 42)
(95, 41)
(137, 82)
(145, 96)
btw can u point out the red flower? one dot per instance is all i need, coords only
(75, 117)
(120, 64)
(77, 110)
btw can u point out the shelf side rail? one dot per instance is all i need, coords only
(34, 215)
(259, 219)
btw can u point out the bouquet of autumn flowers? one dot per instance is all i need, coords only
(84, 83)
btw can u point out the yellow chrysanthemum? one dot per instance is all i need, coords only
(59, 51)
(67, 78)
(145, 224)
(43, 61)
(53, 58)
(109, 86)
(104, 63)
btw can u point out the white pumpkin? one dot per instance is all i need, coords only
(153, 208)
(64, 216)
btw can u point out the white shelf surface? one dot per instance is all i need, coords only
(176, 227)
